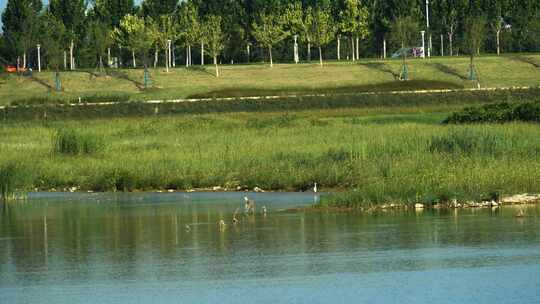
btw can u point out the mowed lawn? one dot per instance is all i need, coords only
(260, 79)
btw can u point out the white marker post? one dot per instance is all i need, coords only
(39, 57)
(423, 44)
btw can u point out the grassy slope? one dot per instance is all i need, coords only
(402, 156)
(260, 79)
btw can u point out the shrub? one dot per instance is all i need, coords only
(74, 142)
(497, 113)
(14, 177)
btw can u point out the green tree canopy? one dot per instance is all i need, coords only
(269, 30)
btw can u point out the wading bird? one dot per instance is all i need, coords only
(249, 205)
(234, 219)
(221, 225)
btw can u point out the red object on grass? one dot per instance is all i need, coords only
(11, 69)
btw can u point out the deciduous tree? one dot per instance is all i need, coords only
(269, 30)
(404, 32)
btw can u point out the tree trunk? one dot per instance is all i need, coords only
(339, 47)
(71, 60)
(155, 58)
(384, 48)
(120, 55)
(498, 42)
(187, 56)
(357, 48)
(24, 60)
(109, 57)
(352, 49)
(320, 56)
(309, 51)
(18, 63)
(216, 65)
(65, 60)
(172, 54)
(442, 45)
(167, 59)
(248, 53)
(450, 40)
(190, 59)
(133, 57)
(270, 54)
(100, 64)
(202, 53)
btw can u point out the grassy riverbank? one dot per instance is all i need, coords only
(385, 154)
(259, 79)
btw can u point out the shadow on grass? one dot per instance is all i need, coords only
(124, 76)
(379, 66)
(391, 86)
(447, 70)
(200, 69)
(524, 59)
(42, 82)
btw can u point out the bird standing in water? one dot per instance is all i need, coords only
(221, 225)
(315, 189)
(249, 205)
(234, 219)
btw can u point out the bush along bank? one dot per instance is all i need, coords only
(101, 109)
(498, 113)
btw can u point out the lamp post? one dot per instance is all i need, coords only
(427, 24)
(39, 57)
(423, 44)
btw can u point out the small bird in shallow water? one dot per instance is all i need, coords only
(234, 219)
(520, 213)
(221, 225)
(264, 210)
(315, 189)
(188, 229)
(249, 205)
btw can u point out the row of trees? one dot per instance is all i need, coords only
(77, 33)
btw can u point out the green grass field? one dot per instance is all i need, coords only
(260, 79)
(384, 148)
(400, 155)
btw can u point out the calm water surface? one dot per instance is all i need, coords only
(104, 248)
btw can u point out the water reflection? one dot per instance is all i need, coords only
(49, 242)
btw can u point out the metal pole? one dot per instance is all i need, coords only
(427, 24)
(423, 44)
(39, 57)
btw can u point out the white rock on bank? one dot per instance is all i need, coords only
(521, 199)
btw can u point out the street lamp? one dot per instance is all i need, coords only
(39, 57)
(423, 44)
(427, 24)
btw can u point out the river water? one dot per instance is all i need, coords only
(168, 248)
